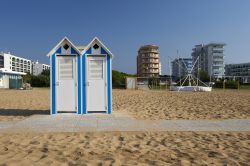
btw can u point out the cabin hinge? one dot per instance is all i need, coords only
(105, 83)
(75, 108)
(106, 107)
(75, 84)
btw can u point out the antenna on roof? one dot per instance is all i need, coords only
(179, 67)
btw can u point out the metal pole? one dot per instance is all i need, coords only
(189, 82)
(211, 69)
(198, 71)
(170, 74)
(179, 66)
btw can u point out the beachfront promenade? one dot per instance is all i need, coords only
(117, 122)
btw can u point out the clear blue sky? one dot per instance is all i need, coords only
(31, 28)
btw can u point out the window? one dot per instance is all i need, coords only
(66, 46)
(96, 69)
(65, 69)
(95, 46)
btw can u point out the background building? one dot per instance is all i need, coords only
(241, 69)
(181, 66)
(1, 61)
(148, 61)
(18, 64)
(15, 63)
(38, 68)
(211, 58)
(160, 73)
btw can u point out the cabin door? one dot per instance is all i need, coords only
(96, 84)
(66, 83)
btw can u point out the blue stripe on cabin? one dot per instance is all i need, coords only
(59, 50)
(84, 111)
(53, 84)
(73, 51)
(53, 81)
(109, 85)
(108, 80)
(79, 83)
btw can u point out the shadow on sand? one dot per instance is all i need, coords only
(22, 112)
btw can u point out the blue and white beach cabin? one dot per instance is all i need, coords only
(81, 78)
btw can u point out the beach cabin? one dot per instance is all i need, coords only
(11, 79)
(81, 78)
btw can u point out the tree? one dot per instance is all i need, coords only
(118, 78)
(27, 78)
(42, 80)
(203, 76)
(46, 72)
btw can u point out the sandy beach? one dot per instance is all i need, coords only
(131, 148)
(154, 105)
(168, 148)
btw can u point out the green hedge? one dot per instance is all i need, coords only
(42, 80)
(228, 84)
(118, 79)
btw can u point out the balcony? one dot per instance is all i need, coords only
(218, 49)
(217, 65)
(218, 60)
(154, 67)
(218, 55)
(145, 62)
(218, 70)
(151, 56)
(150, 71)
(148, 51)
(147, 66)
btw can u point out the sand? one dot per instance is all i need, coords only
(154, 105)
(162, 148)
(131, 148)
(18, 104)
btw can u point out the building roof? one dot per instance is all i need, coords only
(13, 56)
(7, 71)
(245, 63)
(99, 42)
(80, 49)
(216, 43)
(149, 46)
(59, 44)
(209, 44)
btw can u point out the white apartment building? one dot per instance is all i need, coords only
(160, 72)
(14, 63)
(18, 64)
(38, 68)
(211, 58)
